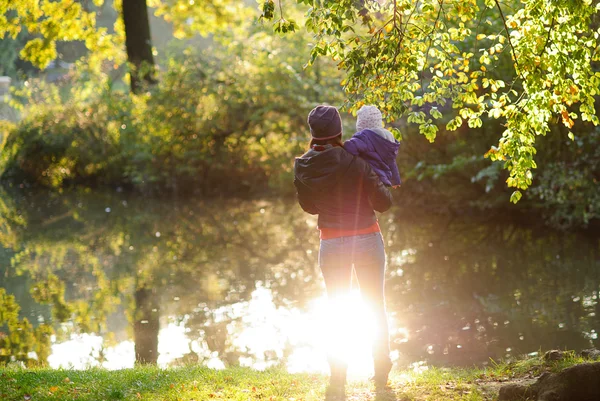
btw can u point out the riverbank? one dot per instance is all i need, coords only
(200, 383)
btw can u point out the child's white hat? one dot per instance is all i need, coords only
(368, 117)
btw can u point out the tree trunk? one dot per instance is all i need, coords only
(138, 43)
(145, 326)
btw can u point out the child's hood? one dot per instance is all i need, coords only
(383, 133)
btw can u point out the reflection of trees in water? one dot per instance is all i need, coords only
(87, 254)
(473, 291)
(18, 337)
(452, 283)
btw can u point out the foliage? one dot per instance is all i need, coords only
(179, 136)
(452, 176)
(422, 59)
(205, 128)
(566, 190)
(204, 17)
(56, 141)
(524, 63)
(48, 22)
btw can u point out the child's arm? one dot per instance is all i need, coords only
(396, 180)
(355, 146)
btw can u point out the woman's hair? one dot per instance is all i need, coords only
(322, 142)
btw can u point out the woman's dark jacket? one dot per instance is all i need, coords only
(341, 188)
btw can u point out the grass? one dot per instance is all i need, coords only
(200, 383)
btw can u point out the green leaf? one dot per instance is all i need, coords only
(516, 196)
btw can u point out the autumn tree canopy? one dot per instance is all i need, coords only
(528, 64)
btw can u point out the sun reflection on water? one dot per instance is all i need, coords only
(269, 335)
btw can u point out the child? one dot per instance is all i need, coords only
(376, 145)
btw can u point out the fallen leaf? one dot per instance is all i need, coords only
(53, 389)
(27, 397)
(138, 395)
(253, 389)
(66, 380)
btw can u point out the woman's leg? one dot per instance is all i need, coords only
(336, 266)
(369, 263)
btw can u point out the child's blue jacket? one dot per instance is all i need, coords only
(379, 152)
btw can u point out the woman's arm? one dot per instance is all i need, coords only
(379, 195)
(303, 198)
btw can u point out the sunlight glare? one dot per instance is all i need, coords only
(266, 333)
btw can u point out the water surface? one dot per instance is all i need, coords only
(115, 278)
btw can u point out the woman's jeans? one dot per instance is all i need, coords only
(366, 253)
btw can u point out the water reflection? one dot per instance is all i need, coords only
(109, 279)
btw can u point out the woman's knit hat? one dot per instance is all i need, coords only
(368, 117)
(325, 122)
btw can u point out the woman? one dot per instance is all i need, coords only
(345, 192)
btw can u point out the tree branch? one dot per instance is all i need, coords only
(547, 38)
(508, 36)
(441, 3)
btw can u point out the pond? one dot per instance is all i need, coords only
(107, 278)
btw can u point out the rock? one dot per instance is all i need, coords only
(591, 353)
(553, 355)
(577, 383)
(513, 392)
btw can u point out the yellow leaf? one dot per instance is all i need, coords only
(481, 36)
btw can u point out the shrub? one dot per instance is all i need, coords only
(229, 119)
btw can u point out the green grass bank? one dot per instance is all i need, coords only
(200, 383)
